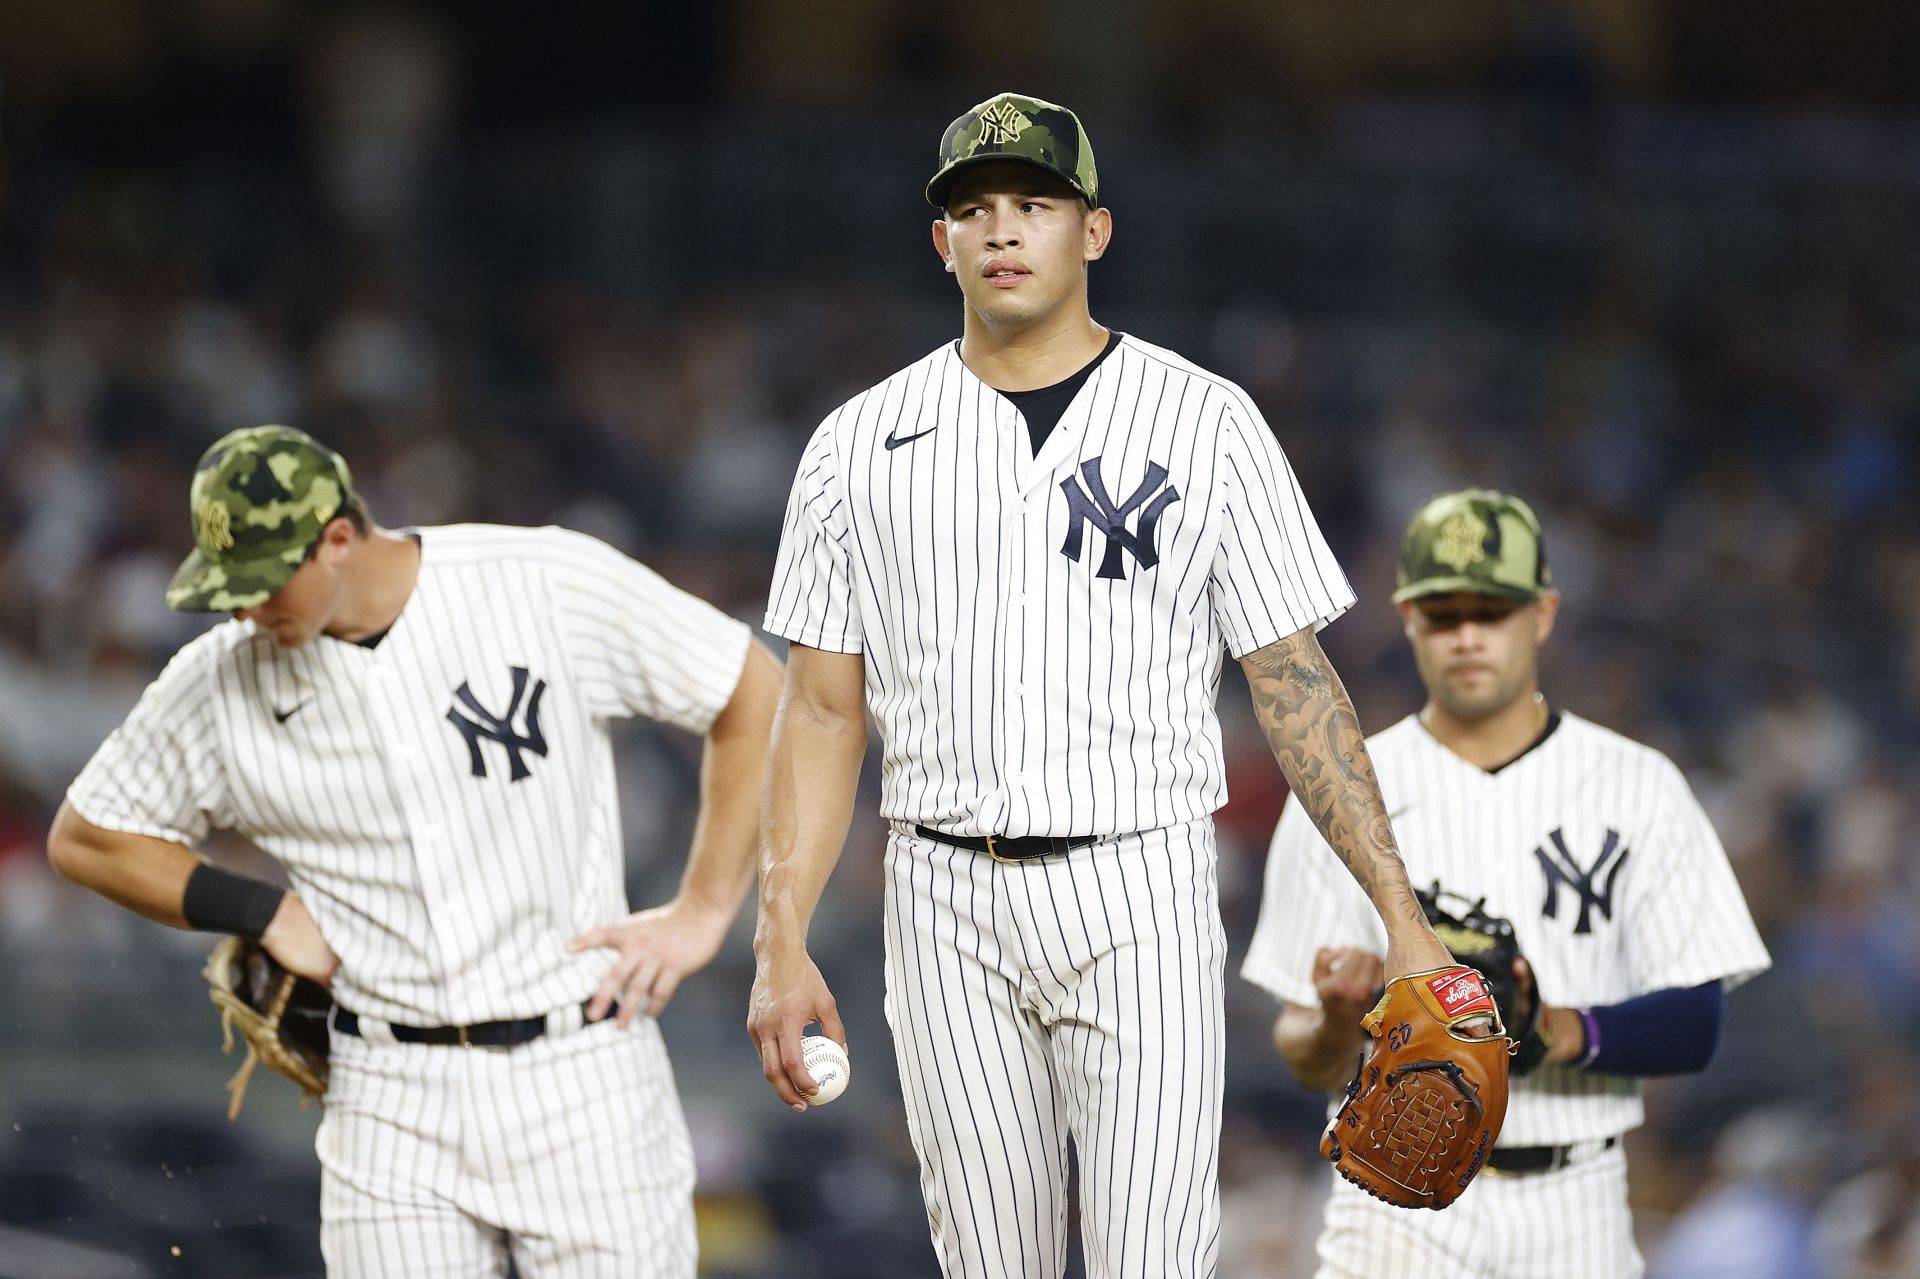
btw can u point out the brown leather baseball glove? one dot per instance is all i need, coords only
(1487, 942)
(1424, 1110)
(282, 1018)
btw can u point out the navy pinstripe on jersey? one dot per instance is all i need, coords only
(1043, 637)
(1662, 908)
(448, 894)
(445, 805)
(1017, 689)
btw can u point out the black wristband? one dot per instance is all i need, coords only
(219, 901)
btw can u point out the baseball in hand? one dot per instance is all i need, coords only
(827, 1062)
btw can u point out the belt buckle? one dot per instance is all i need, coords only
(991, 852)
(465, 1042)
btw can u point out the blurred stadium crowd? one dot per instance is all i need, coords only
(1691, 339)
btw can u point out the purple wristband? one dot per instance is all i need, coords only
(1592, 1030)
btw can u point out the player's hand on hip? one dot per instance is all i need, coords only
(654, 950)
(1348, 981)
(293, 938)
(788, 996)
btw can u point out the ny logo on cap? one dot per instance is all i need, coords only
(213, 526)
(1002, 124)
(1462, 541)
(1091, 505)
(499, 728)
(1561, 869)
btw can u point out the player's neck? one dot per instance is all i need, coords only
(1495, 740)
(1025, 359)
(379, 586)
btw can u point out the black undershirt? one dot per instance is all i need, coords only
(1043, 406)
(1553, 722)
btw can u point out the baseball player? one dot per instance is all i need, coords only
(1024, 555)
(415, 724)
(1627, 915)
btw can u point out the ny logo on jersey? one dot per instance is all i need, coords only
(1091, 505)
(483, 723)
(1561, 869)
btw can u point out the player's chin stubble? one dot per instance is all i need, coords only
(1028, 303)
(1462, 701)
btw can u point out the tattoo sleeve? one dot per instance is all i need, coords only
(1310, 724)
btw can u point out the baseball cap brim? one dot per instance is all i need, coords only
(941, 187)
(1464, 585)
(200, 585)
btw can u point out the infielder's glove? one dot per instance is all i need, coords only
(282, 1018)
(1424, 1110)
(1487, 943)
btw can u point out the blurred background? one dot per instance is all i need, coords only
(1653, 266)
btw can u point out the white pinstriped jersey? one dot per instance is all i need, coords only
(1591, 843)
(443, 802)
(1043, 635)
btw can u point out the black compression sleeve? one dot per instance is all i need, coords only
(219, 901)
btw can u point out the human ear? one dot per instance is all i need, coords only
(1099, 233)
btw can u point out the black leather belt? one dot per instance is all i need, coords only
(1511, 1159)
(482, 1034)
(1019, 848)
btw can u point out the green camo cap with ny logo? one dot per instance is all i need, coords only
(1012, 126)
(260, 497)
(1477, 542)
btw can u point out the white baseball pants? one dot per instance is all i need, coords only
(1071, 996)
(1573, 1223)
(571, 1151)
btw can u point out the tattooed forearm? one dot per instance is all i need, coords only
(1309, 722)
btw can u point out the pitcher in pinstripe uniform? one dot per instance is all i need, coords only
(1628, 918)
(1025, 556)
(415, 724)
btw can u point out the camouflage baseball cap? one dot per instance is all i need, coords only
(260, 497)
(1476, 541)
(1011, 126)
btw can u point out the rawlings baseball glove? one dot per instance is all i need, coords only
(282, 1018)
(1486, 942)
(1426, 1106)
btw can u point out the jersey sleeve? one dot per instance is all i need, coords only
(1307, 900)
(1273, 573)
(812, 599)
(638, 645)
(162, 773)
(1690, 921)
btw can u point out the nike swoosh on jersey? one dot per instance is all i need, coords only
(1400, 812)
(895, 441)
(282, 716)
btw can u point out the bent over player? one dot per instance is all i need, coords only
(1024, 554)
(1626, 916)
(415, 724)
